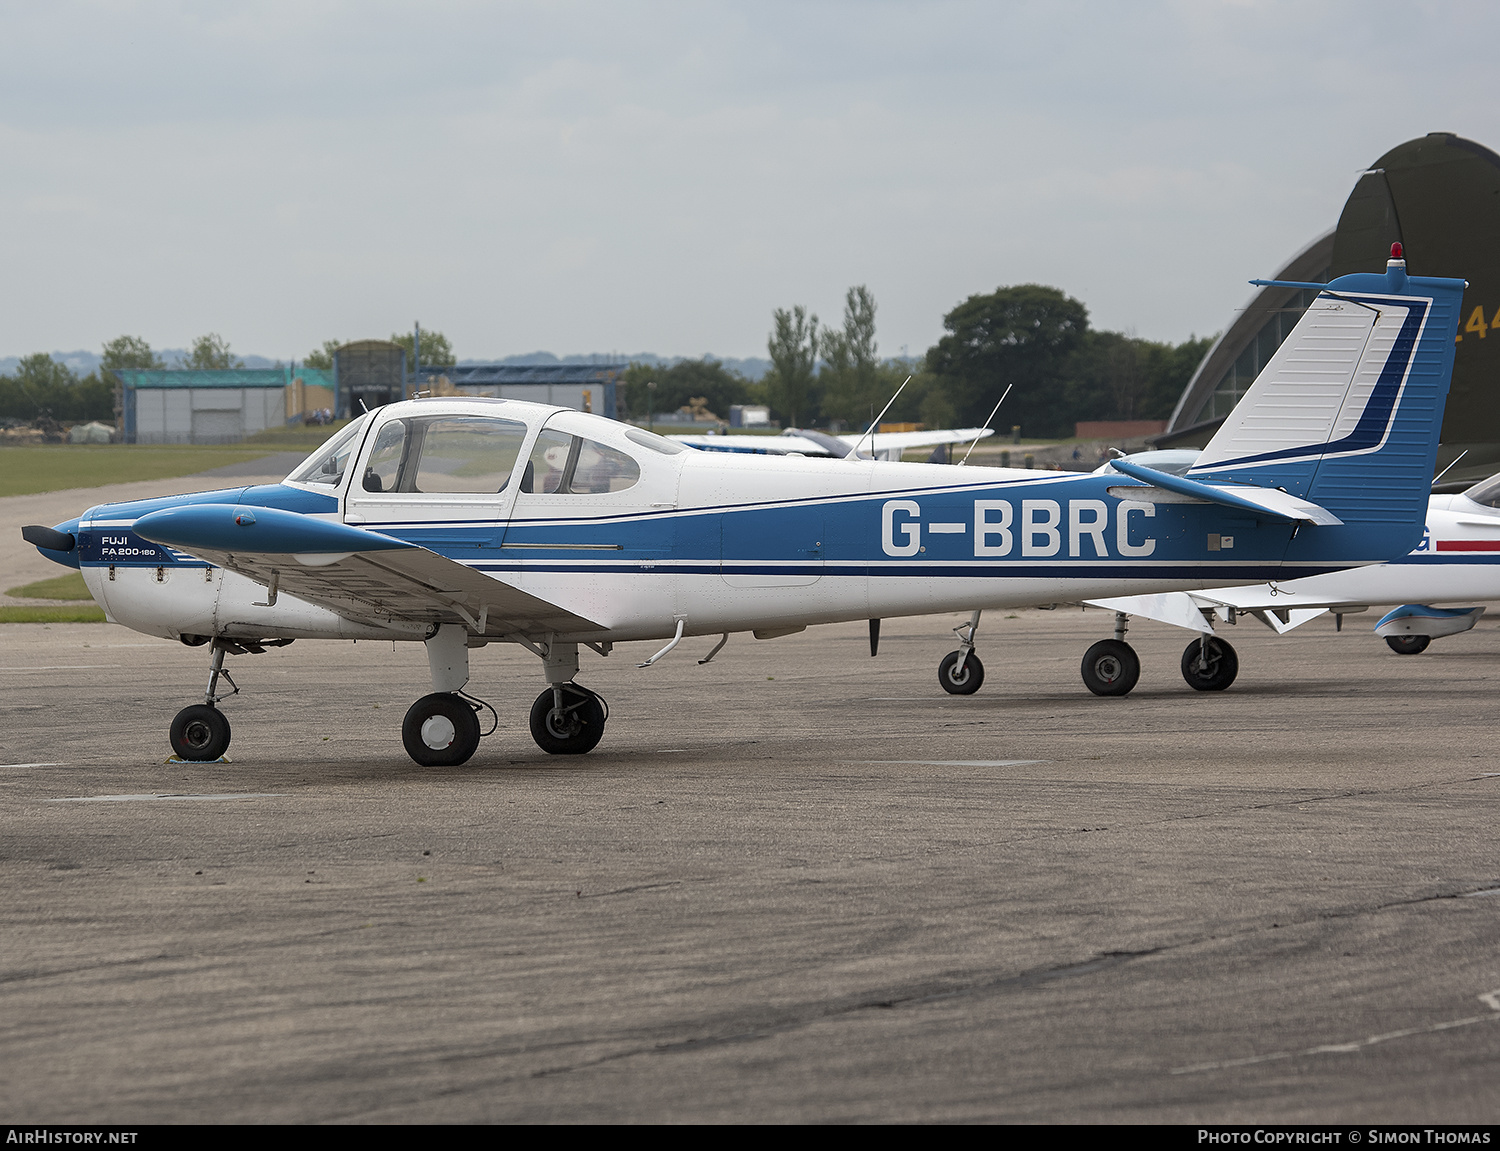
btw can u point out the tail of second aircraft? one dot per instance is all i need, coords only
(1347, 413)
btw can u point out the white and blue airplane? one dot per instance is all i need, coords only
(459, 522)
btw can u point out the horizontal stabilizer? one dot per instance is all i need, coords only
(1267, 503)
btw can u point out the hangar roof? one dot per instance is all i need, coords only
(226, 378)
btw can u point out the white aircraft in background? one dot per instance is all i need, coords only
(807, 442)
(1457, 562)
(459, 522)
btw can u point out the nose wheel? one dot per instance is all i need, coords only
(440, 730)
(961, 673)
(567, 719)
(200, 733)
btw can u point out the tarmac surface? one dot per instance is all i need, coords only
(797, 884)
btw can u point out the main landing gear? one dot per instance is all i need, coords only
(1111, 666)
(442, 729)
(1209, 664)
(200, 733)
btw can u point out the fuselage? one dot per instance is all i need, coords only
(637, 533)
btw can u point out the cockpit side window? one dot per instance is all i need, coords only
(459, 455)
(327, 465)
(563, 464)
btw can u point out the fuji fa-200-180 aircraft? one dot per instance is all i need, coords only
(1456, 562)
(461, 522)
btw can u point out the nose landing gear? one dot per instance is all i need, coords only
(200, 733)
(960, 672)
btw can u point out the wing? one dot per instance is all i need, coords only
(362, 575)
(1192, 610)
(754, 445)
(901, 441)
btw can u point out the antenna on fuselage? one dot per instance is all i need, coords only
(987, 420)
(870, 431)
(1449, 468)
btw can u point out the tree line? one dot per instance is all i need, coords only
(1030, 336)
(42, 388)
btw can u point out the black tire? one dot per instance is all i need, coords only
(1111, 667)
(960, 676)
(1407, 644)
(440, 730)
(200, 733)
(577, 731)
(1223, 664)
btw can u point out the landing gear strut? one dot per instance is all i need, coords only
(1111, 666)
(200, 733)
(960, 672)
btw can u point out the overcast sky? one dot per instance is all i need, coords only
(660, 176)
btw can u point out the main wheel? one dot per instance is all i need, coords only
(1110, 667)
(1216, 668)
(573, 730)
(440, 730)
(960, 676)
(1407, 644)
(200, 733)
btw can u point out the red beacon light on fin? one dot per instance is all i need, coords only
(1396, 251)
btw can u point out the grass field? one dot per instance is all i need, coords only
(28, 469)
(70, 586)
(45, 613)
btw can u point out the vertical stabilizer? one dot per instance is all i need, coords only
(1347, 413)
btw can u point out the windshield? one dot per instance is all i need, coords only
(328, 464)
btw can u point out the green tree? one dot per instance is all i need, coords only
(437, 352)
(211, 353)
(851, 377)
(44, 388)
(124, 353)
(1021, 335)
(793, 347)
(683, 381)
(130, 353)
(1112, 376)
(323, 357)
